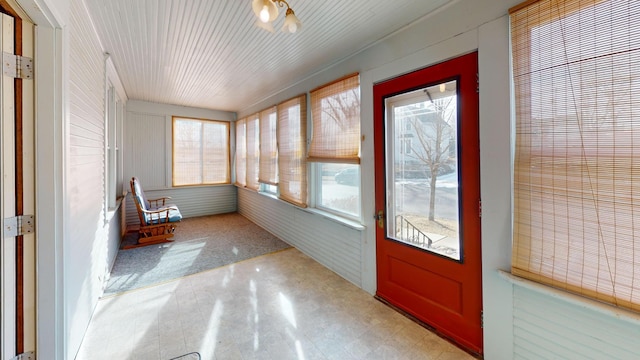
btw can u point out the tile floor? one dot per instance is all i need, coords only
(279, 306)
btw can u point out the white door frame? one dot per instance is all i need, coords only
(51, 133)
(8, 205)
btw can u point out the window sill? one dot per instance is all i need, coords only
(269, 195)
(573, 299)
(112, 211)
(177, 187)
(355, 225)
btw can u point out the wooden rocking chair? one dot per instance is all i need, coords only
(158, 220)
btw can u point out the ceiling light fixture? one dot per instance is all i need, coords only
(267, 12)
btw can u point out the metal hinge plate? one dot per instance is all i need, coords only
(18, 225)
(481, 318)
(25, 356)
(17, 66)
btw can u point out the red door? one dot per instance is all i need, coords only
(428, 197)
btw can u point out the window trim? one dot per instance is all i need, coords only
(243, 158)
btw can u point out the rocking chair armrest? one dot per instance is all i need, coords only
(156, 216)
(158, 211)
(168, 207)
(167, 214)
(163, 199)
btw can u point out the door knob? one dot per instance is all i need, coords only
(380, 217)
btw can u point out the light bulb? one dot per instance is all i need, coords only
(264, 14)
(443, 87)
(291, 22)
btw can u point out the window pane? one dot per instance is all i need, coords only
(200, 152)
(268, 173)
(335, 115)
(269, 189)
(339, 188)
(253, 152)
(577, 96)
(215, 154)
(292, 145)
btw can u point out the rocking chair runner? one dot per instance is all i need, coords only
(158, 220)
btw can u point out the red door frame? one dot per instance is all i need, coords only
(464, 324)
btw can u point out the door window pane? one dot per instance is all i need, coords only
(422, 169)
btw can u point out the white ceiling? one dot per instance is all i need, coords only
(209, 54)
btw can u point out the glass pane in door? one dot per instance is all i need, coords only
(422, 169)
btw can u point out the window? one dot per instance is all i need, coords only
(405, 146)
(292, 145)
(335, 145)
(335, 111)
(113, 158)
(268, 174)
(112, 140)
(577, 170)
(200, 152)
(241, 152)
(253, 151)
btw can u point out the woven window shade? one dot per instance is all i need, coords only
(268, 147)
(253, 152)
(200, 152)
(335, 111)
(292, 164)
(241, 152)
(577, 162)
(215, 154)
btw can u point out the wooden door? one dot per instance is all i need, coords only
(428, 197)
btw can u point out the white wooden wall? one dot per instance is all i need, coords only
(550, 327)
(146, 150)
(87, 251)
(334, 245)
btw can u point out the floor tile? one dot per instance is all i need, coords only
(278, 306)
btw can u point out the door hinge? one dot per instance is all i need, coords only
(16, 66)
(481, 319)
(18, 225)
(477, 83)
(480, 208)
(30, 355)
